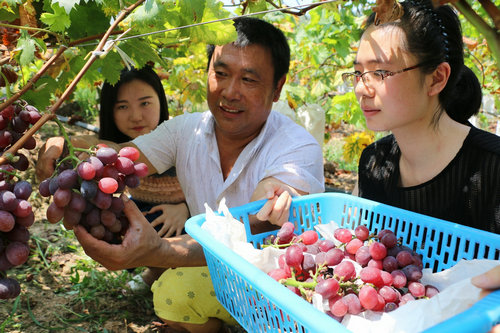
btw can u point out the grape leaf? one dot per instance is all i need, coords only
(27, 47)
(192, 11)
(7, 14)
(141, 52)
(67, 4)
(219, 33)
(57, 21)
(147, 15)
(111, 66)
(41, 93)
(257, 6)
(81, 16)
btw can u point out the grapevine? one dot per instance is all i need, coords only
(357, 271)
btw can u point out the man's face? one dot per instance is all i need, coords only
(240, 90)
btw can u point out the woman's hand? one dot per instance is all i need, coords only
(173, 218)
(53, 148)
(47, 157)
(488, 281)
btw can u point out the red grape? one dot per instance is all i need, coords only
(129, 152)
(343, 235)
(361, 232)
(86, 170)
(309, 237)
(108, 185)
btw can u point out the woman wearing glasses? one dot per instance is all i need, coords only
(410, 79)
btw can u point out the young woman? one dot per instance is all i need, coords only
(410, 79)
(135, 105)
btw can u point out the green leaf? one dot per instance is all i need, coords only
(141, 52)
(27, 47)
(255, 6)
(67, 4)
(192, 10)
(41, 93)
(7, 13)
(80, 17)
(219, 33)
(149, 15)
(57, 21)
(111, 67)
(40, 44)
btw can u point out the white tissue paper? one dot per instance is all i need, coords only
(456, 294)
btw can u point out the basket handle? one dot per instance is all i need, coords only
(481, 317)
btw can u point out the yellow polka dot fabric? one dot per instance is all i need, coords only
(187, 295)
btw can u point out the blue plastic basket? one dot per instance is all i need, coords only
(260, 304)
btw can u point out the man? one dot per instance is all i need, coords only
(239, 150)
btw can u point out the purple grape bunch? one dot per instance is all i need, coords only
(88, 194)
(16, 213)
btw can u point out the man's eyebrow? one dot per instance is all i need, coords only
(219, 63)
(252, 71)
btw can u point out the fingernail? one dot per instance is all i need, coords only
(125, 197)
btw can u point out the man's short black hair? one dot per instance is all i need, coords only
(256, 31)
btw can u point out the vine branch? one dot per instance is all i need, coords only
(35, 78)
(52, 112)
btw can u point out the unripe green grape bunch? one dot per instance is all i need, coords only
(16, 214)
(88, 194)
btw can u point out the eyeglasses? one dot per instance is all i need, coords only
(372, 78)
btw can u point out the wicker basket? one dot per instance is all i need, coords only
(159, 189)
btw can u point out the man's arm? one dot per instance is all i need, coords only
(141, 246)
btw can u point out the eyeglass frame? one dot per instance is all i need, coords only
(384, 74)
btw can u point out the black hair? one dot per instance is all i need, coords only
(256, 31)
(107, 125)
(433, 36)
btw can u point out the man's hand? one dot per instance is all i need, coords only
(279, 196)
(139, 244)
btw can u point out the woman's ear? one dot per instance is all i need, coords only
(439, 78)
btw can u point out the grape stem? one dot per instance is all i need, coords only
(279, 246)
(10, 173)
(71, 149)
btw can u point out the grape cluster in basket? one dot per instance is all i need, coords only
(89, 193)
(16, 214)
(362, 272)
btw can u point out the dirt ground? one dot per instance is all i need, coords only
(64, 290)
